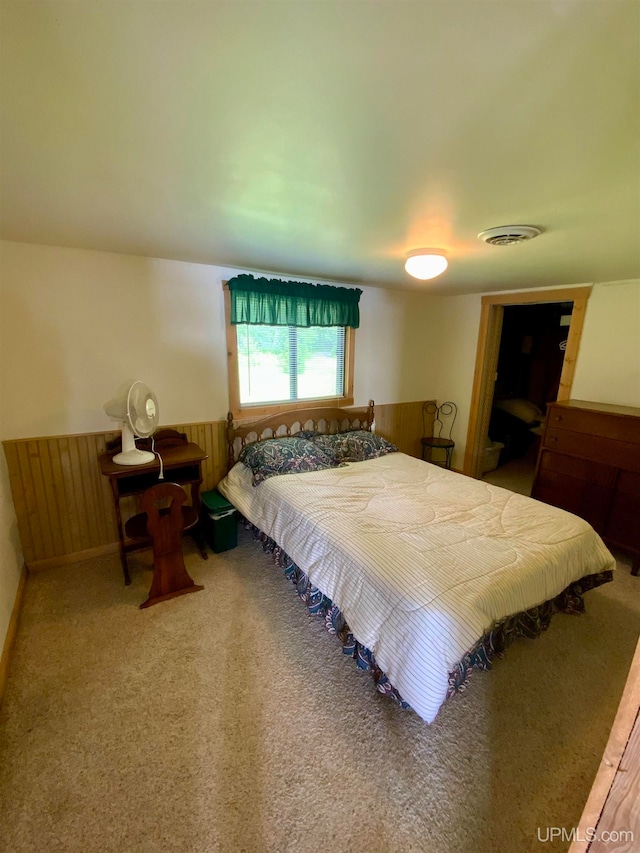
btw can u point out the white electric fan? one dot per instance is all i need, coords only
(137, 408)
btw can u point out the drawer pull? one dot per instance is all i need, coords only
(553, 438)
(557, 418)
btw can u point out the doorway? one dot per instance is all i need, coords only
(488, 354)
(530, 359)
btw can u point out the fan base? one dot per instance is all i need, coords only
(134, 457)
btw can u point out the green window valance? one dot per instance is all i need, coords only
(272, 302)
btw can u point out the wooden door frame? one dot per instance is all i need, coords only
(487, 358)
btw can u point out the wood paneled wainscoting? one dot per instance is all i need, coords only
(64, 505)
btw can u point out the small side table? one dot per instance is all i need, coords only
(182, 461)
(434, 443)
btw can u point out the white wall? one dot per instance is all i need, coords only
(459, 322)
(76, 324)
(11, 559)
(608, 366)
(10, 552)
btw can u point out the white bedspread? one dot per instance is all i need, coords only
(420, 560)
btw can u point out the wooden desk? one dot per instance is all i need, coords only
(182, 464)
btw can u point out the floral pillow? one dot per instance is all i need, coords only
(355, 446)
(286, 455)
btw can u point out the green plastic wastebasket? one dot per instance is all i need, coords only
(220, 521)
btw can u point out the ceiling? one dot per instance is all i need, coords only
(326, 139)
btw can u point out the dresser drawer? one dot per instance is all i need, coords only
(589, 464)
(582, 497)
(621, 454)
(595, 423)
(623, 525)
(582, 469)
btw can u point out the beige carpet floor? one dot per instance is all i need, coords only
(229, 720)
(516, 475)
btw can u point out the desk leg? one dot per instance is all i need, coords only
(198, 532)
(125, 567)
(198, 538)
(123, 556)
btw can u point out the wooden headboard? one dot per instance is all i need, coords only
(323, 420)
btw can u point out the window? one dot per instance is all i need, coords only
(286, 363)
(287, 367)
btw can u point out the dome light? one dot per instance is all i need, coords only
(426, 263)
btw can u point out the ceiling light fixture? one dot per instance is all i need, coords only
(426, 263)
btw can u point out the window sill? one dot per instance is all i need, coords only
(246, 412)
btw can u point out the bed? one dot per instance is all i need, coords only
(423, 573)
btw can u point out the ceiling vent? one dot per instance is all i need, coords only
(507, 235)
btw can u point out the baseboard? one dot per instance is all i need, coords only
(76, 557)
(11, 632)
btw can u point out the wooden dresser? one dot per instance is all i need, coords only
(589, 464)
